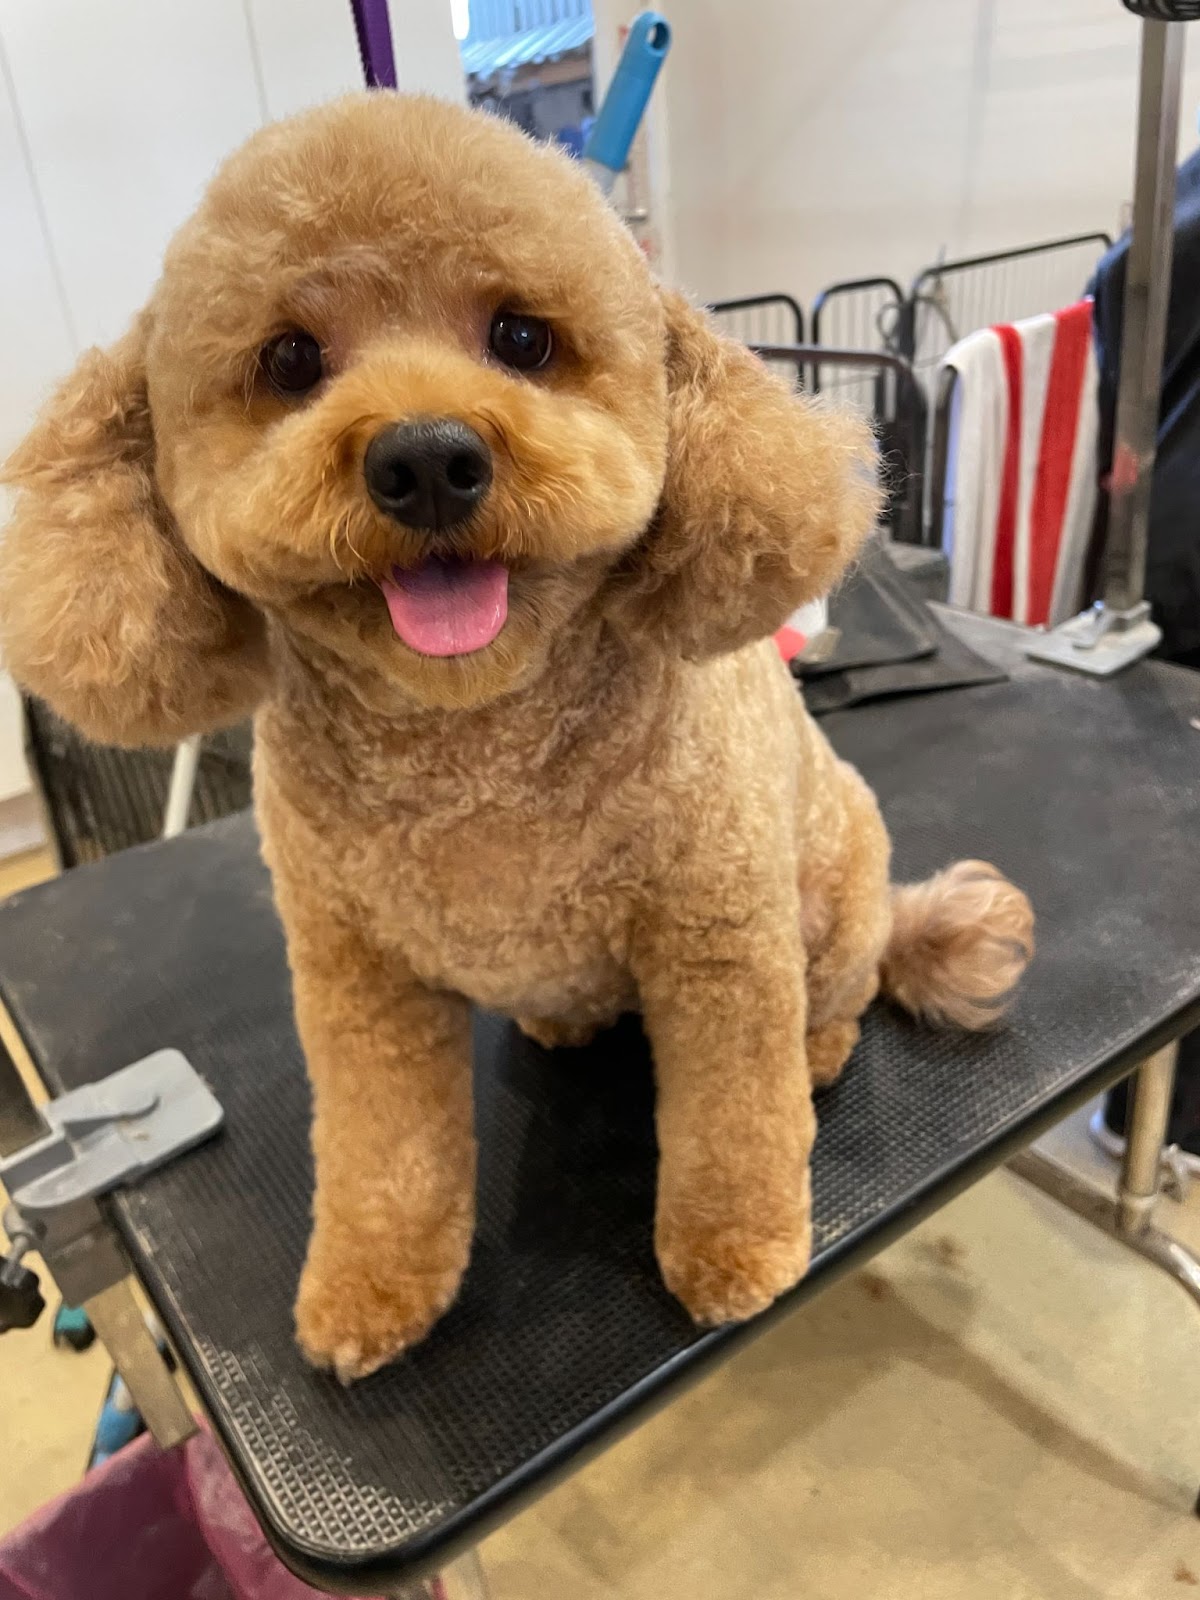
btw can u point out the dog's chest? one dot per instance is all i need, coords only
(521, 913)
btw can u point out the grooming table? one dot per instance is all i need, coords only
(1086, 792)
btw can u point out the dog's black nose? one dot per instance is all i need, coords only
(428, 474)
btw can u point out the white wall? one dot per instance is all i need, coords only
(813, 140)
(112, 118)
(113, 115)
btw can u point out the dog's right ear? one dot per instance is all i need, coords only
(103, 611)
(767, 497)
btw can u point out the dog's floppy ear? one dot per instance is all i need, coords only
(767, 497)
(103, 612)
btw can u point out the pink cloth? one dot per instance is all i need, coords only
(148, 1525)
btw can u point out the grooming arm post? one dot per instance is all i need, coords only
(1144, 319)
(1118, 631)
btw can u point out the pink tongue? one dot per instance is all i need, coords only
(445, 607)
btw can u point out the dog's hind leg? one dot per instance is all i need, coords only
(829, 1049)
(949, 950)
(560, 1033)
(845, 920)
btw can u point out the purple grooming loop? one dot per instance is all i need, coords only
(374, 31)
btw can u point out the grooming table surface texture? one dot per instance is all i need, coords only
(1086, 792)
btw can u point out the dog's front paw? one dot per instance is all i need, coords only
(351, 1319)
(732, 1273)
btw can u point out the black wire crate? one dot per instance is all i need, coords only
(953, 298)
(764, 319)
(99, 799)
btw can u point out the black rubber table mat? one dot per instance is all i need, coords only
(879, 615)
(951, 664)
(1086, 792)
(19, 1122)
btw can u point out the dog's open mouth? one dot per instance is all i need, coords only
(446, 606)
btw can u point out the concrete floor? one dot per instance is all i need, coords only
(1004, 1406)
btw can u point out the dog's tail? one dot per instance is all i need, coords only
(958, 946)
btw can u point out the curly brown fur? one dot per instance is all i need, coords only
(958, 946)
(101, 608)
(618, 801)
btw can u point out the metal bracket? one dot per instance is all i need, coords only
(1099, 641)
(1129, 1217)
(101, 1137)
(1176, 1174)
(110, 1133)
(1107, 1214)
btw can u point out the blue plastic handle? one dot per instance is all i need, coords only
(617, 120)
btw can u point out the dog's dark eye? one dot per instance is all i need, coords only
(525, 343)
(292, 362)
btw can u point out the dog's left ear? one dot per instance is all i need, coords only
(767, 497)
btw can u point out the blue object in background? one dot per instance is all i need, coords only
(607, 148)
(120, 1422)
(71, 1327)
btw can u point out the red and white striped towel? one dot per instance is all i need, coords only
(1021, 468)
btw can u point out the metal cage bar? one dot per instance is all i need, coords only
(859, 314)
(856, 307)
(939, 452)
(1000, 286)
(778, 302)
(97, 799)
(762, 318)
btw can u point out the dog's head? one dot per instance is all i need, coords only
(407, 386)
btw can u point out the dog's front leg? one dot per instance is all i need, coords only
(394, 1147)
(724, 1006)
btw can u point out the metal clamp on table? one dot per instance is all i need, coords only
(101, 1137)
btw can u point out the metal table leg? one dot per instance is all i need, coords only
(1118, 631)
(462, 1580)
(1141, 1172)
(121, 1327)
(1130, 1217)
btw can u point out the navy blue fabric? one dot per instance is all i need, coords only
(1173, 561)
(1173, 554)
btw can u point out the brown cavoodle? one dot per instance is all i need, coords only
(409, 455)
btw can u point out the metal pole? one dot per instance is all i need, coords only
(1145, 1136)
(462, 1580)
(1118, 630)
(183, 782)
(1131, 1217)
(118, 1320)
(1144, 321)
